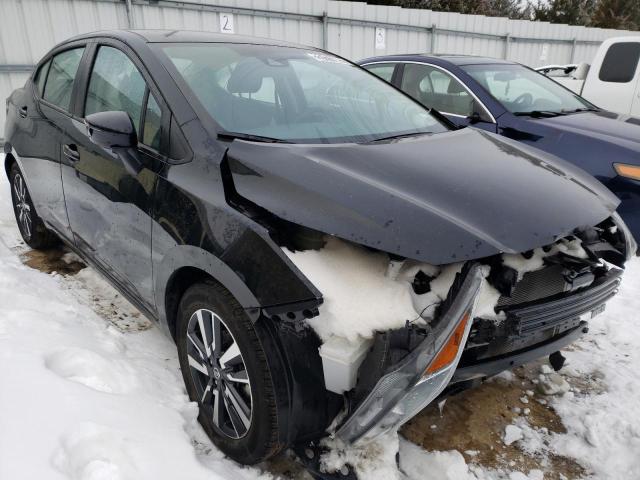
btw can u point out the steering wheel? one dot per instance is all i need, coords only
(524, 99)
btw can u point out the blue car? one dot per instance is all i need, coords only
(515, 101)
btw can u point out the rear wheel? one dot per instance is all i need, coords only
(225, 371)
(31, 226)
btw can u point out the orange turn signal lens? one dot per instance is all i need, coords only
(629, 171)
(449, 350)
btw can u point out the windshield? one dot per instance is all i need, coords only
(521, 90)
(295, 94)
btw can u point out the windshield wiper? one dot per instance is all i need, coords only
(249, 137)
(579, 110)
(400, 135)
(540, 114)
(444, 119)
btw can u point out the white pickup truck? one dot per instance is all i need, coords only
(611, 82)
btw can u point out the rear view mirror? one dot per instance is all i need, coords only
(111, 130)
(504, 76)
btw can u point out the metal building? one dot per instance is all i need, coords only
(352, 29)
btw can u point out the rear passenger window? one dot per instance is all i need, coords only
(62, 73)
(41, 77)
(385, 71)
(115, 85)
(620, 62)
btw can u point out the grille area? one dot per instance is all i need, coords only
(535, 286)
(552, 313)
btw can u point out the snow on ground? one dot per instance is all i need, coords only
(84, 396)
(80, 398)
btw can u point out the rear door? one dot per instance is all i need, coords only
(435, 87)
(44, 110)
(109, 201)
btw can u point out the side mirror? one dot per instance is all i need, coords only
(111, 130)
(581, 71)
(474, 118)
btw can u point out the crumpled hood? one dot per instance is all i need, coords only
(623, 130)
(437, 198)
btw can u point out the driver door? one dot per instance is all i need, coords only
(109, 202)
(436, 88)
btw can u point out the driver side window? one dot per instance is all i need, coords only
(115, 84)
(437, 89)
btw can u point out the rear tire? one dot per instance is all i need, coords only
(228, 375)
(31, 226)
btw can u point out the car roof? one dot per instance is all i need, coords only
(185, 36)
(450, 58)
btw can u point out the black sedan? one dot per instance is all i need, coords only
(522, 104)
(199, 173)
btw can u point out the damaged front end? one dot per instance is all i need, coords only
(426, 278)
(543, 301)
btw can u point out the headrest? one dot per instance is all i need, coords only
(455, 87)
(247, 76)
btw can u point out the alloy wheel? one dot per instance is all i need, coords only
(219, 374)
(21, 205)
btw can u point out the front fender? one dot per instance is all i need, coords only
(187, 256)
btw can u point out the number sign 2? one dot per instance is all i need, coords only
(226, 23)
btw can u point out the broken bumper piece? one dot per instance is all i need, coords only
(420, 377)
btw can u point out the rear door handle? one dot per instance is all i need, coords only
(71, 152)
(23, 112)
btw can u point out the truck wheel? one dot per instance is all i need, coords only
(225, 371)
(31, 226)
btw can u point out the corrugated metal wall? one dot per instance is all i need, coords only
(28, 28)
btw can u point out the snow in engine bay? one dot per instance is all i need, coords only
(364, 292)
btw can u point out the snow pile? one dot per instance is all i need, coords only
(551, 383)
(522, 265)
(415, 463)
(512, 433)
(450, 465)
(374, 461)
(363, 292)
(359, 298)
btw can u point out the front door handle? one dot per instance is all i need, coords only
(22, 111)
(71, 152)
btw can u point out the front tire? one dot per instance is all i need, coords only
(32, 228)
(225, 371)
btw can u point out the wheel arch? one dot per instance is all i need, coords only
(9, 160)
(181, 280)
(186, 266)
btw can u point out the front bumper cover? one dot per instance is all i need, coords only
(418, 379)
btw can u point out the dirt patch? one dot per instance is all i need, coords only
(88, 287)
(473, 422)
(285, 466)
(53, 260)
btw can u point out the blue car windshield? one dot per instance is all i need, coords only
(521, 90)
(294, 94)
